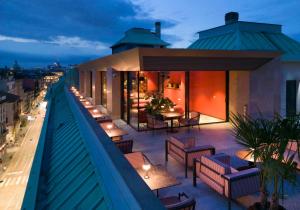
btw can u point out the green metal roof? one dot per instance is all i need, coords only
(248, 36)
(75, 168)
(140, 36)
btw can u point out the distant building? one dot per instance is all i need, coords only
(28, 102)
(3, 129)
(13, 111)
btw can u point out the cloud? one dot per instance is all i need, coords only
(60, 48)
(77, 42)
(87, 25)
(17, 39)
(57, 27)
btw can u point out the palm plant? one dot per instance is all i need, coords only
(256, 134)
(268, 140)
(282, 165)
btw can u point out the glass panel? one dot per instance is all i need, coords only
(133, 87)
(124, 86)
(148, 85)
(91, 84)
(208, 94)
(103, 89)
(174, 89)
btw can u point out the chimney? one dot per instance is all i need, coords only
(157, 28)
(231, 17)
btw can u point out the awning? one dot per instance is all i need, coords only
(164, 59)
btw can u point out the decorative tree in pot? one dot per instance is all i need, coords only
(267, 141)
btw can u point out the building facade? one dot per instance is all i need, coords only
(3, 128)
(13, 111)
(240, 67)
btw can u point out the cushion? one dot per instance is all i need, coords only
(222, 157)
(215, 165)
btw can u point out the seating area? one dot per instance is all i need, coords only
(192, 169)
(185, 150)
(218, 173)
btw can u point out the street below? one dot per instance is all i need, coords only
(14, 180)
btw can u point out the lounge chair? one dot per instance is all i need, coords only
(217, 173)
(185, 150)
(180, 202)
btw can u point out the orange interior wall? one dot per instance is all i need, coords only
(151, 81)
(208, 93)
(176, 95)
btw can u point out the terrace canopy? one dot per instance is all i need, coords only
(162, 59)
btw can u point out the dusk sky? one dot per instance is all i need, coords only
(39, 32)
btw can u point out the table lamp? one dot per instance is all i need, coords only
(146, 167)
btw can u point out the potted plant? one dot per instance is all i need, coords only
(268, 140)
(158, 104)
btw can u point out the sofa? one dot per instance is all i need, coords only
(185, 150)
(217, 172)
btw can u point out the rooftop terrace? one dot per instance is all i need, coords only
(77, 165)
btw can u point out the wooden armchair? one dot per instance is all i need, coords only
(125, 146)
(180, 202)
(193, 120)
(154, 123)
(185, 150)
(217, 172)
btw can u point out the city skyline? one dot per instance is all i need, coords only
(76, 32)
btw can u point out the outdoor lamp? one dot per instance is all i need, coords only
(146, 168)
(81, 97)
(87, 103)
(95, 110)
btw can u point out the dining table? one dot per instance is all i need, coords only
(157, 177)
(113, 131)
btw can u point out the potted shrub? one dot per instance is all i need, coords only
(268, 140)
(158, 104)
